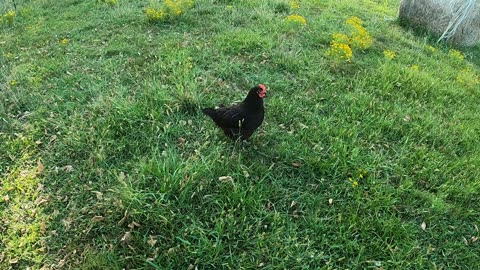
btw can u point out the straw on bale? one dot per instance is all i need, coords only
(457, 21)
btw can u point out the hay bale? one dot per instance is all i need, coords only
(455, 20)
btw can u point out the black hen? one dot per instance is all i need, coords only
(241, 120)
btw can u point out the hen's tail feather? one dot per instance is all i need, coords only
(209, 111)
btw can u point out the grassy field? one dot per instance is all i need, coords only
(106, 161)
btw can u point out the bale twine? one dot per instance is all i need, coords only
(457, 21)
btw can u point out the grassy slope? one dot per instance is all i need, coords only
(93, 174)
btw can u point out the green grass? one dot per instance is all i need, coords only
(107, 162)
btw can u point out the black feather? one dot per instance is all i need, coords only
(209, 111)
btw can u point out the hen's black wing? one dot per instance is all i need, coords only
(230, 119)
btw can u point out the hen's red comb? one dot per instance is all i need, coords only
(262, 87)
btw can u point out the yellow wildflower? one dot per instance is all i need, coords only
(354, 183)
(456, 55)
(10, 16)
(362, 174)
(389, 54)
(155, 14)
(294, 4)
(64, 41)
(467, 77)
(354, 21)
(340, 52)
(296, 19)
(360, 37)
(168, 9)
(174, 6)
(13, 82)
(340, 38)
(431, 49)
